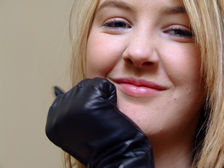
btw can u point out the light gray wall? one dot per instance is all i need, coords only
(34, 52)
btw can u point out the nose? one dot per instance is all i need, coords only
(141, 51)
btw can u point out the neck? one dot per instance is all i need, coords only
(173, 152)
(175, 157)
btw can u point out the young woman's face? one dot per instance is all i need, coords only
(146, 48)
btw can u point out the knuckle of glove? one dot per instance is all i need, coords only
(107, 89)
(99, 89)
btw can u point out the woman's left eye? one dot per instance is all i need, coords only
(179, 33)
(116, 24)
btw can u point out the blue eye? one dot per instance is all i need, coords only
(117, 24)
(179, 33)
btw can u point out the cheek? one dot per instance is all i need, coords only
(183, 65)
(183, 69)
(102, 55)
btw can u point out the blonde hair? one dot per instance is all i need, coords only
(206, 17)
(84, 11)
(81, 18)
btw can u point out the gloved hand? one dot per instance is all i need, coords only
(86, 123)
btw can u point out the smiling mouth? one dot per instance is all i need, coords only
(138, 88)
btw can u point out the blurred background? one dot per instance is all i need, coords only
(34, 56)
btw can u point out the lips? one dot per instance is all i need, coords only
(138, 87)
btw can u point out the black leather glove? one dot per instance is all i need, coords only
(86, 123)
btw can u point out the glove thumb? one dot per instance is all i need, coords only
(58, 91)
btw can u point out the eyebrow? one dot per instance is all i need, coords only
(174, 10)
(117, 4)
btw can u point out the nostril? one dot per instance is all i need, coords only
(138, 63)
(147, 63)
(129, 61)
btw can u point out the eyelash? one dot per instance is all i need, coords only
(176, 32)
